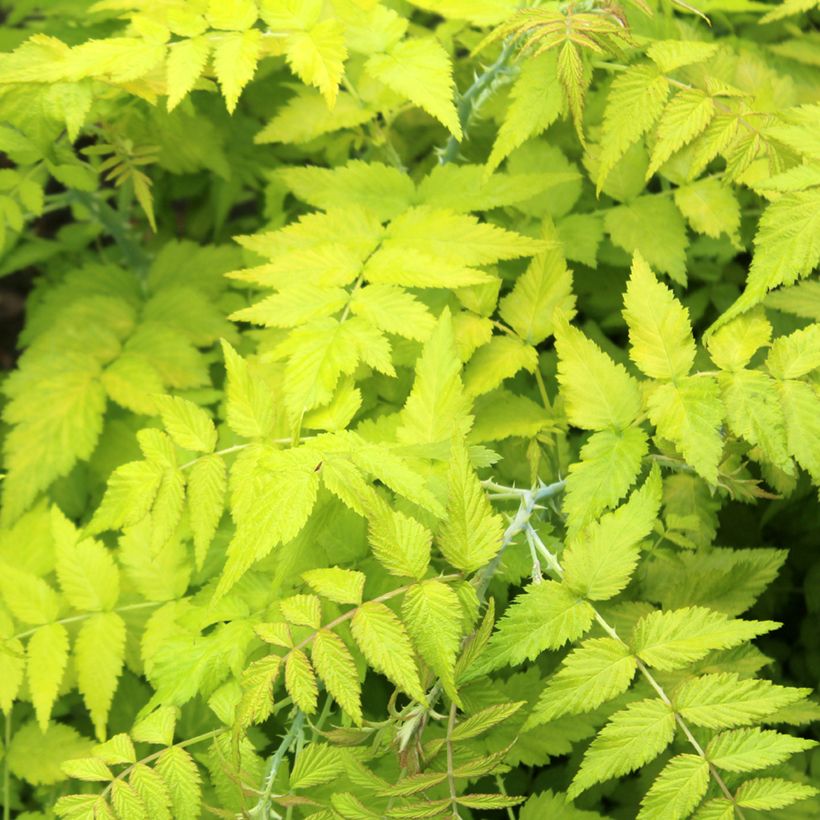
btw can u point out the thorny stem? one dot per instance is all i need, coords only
(470, 101)
(451, 778)
(262, 808)
(555, 566)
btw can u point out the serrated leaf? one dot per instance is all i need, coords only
(207, 482)
(598, 562)
(400, 543)
(344, 586)
(501, 358)
(431, 611)
(769, 793)
(673, 639)
(152, 791)
(685, 116)
(99, 655)
(598, 393)
(710, 207)
(316, 764)
(795, 355)
(677, 789)
(631, 738)
(188, 425)
(337, 669)
(249, 399)
(157, 727)
(129, 496)
(722, 700)
(394, 310)
(88, 576)
(300, 681)
(384, 642)
(420, 70)
(317, 57)
(179, 772)
(597, 671)
(471, 534)
(186, 62)
(235, 58)
(745, 750)
(544, 616)
(87, 768)
(733, 345)
(659, 329)
(47, 654)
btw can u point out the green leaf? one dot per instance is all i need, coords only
(501, 358)
(99, 655)
(536, 101)
(386, 646)
(671, 640)
(769, 793)
(157, 727)
(129, 496)
(249, 399)
(420, 70)
(686, 115)
(179, 772)
(431, 612)
(745, 750)
(471, 534)
(235, 58)
(91, 769)
(610, 462)
(795, 355)
(710, 207)
(152, 791)
(207, 482)
(631, 738)
(652, 226)
(544, 616)
(437, 407)
(597, 671)
(545, 286)
(337, 669)
(316, 764)
(733, 345)
(677, 789)
(302, 610)
(599, 561)
(689, 413)
(393, 310)
(37, 756)
(30, 599)
(88, 576)
(300, 681)
(47, 660)
(317, 57)
(659, 328)
(723, 699)
(186, 62)
(188, 425)
(344, 586)
(598, 393)
(400, 543)
(801, 410)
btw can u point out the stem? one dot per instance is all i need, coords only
(451, 778)
(6, 772)
(75, 618)
(470, 101)
(555, 565)
(263, 805)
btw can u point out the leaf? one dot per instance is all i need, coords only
(386, 646)
(91, 769)
(634, 103)
(393, 310)
(659, 328)
(188, 425)
(316, 763)
(235, 58)
(684, 118)
(431, 611)
(631, 738)
(152, 791)
(207, 482)
(677, 789)
(186, 62)
(544, 616)
(420, 70)
(317, 57)
(337, 669)
(795, 355)
(177, 768)
(734, 344)
(233, 15)
(47, 659)
(344, 586)
(437, 407)
(30, 599)
(12, 668)
(471, 534)
(249, 399)
(652, 226)
(801, 410)
(598, 393)
(710, 208)
(722, 700)
(300, 681)
(574, 81)
(501, 358)
(302, 610)
(118, 749)
(746, 750)
(536, 101)
(37, 757)
(609, 464)
(599, 561)
(671, 640)
(545, 286)
(128, 497)
(99, 654)
(400, 543)
(769, 793)
(673, 54)
(597, 671)
(689, 412)
(156, 727)
(88, 576)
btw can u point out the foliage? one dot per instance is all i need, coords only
(417, 412)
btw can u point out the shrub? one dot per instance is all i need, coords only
(415, 400)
